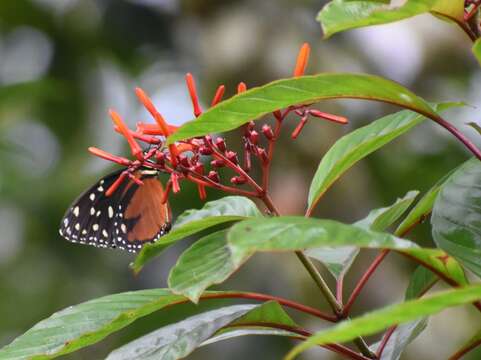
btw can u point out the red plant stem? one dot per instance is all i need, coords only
(265, 297)
(340, 289)
(385, 340)
(460, 353)
(337, 348)
(364, 279)
(391, 330)
(266, 167)
(460, 136)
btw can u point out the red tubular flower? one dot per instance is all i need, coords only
(242, 87)
(154, 129)
(145, 100)
(299, 127)
(107, 156)
(302, 60)
(116, 184)
(145, 138)
(326, 116)
(218, 95)
(193, 94)
(174, 178)
(134, 146)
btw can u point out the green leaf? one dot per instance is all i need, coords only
(226, 206)
(421, 280)
(249, 331)
(227, 209)
(290, 233)
(254, 103)
(401, 338)
(85, 324)
(357, 145)
(205, 263)
(477, 50)
(339, 260)
(300, 233)
(178, 340)
(450, 9)
(383, 218)
(341, 15)
(456, 219)
(475, 127)
(376, 321)
(266, 315)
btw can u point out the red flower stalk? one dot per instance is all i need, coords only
(218, 95)
(107, 156)
(134, 146)
(193, 94)
(116, 184)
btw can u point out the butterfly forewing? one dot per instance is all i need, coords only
(132, 216)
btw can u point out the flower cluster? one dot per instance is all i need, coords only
(185, 160)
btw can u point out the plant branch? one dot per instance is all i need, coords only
(364, 279)
(460, 353)
(459, 135)
(337, 348)
(265, 297)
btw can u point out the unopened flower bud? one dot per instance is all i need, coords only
(267, 131)
(214, 176)
(199, 168)
(160, 158)
(183, 160)
(262, 155)
(220, 143)
(254, 137)
(232, 156)
(238, 180)
(205, 150)
(217, 163)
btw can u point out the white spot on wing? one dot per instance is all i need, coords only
(111, 212)
(76, 211)
(95, 227)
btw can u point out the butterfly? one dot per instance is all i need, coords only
(127, 219)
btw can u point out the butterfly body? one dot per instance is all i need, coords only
(127, 219)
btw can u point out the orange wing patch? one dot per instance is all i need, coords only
(146, 206)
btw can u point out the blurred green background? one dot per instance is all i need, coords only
(64, 63)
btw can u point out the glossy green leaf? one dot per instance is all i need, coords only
(81, 325)
(207, 262)
(263, 317)
(226, 206)
(401, 338)
(178, 340)
(300, 233)
(249, 331)
(477, 50)
(423, 207)
(339, 260)
(376, 321)
(422, 279)
(357, 145)
(456, 219)
(254, 103)
(292, 233)
(383, 218)
(227, 209)
(341, 15)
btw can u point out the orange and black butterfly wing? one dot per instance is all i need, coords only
(132, 216)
